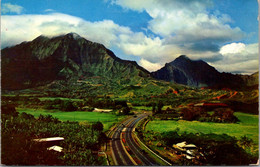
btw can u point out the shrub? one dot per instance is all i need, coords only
(225, 115)
(97, 126)
(67, 106)
(9, 109)
(27, 116)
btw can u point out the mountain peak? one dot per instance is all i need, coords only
(183, 57)
(185, 71)
(73, 35)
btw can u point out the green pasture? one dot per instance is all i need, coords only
(58, 98)
(144, 108)
(108, 119)
(248, 126)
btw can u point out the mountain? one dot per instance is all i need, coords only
(188, 72)
(65, 57)
(251, 80)
(198, 73)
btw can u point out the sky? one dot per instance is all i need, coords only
(224, 33)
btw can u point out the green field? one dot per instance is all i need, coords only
(248, 126)
(58, 98)
(142, 108)
(106, 118)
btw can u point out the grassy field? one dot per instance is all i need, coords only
(106, 118)
(58, 98)
(142, 108)
(248, 126)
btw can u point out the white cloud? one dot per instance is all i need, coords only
(49, 10)
(238, 58)
(185, 20)
(11, 8)
(248, 67)
(149, 66)
(232, 48)
(19, 28)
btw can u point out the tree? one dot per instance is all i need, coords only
(245, 142)
(67, 106)
(98, 126)
(159, 107)
(9, 109)
(225, 114)
(187, 114)
(48, 118)
(27, 116)
(154, 108)
(126, 110)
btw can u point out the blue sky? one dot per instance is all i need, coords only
(152, 32)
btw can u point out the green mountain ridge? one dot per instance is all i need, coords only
(70, 62)
(43, 60)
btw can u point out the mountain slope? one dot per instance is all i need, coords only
(251, 80)
(198, 73)
(188, 72)
(65, 57)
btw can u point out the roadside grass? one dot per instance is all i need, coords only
(108, 119)
(159, 161)
(248, 126)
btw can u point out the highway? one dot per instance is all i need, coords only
(119, 154)
(123, 136)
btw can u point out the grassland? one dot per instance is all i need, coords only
(248, 126)
(58, 98)
(108, 119)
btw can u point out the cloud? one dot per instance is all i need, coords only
(149, 66)
(11, 8)
(247, 68)
(232, 48)
(18, 28)
(49, 10)
(186, 21)
(238, 57)
(167, 5)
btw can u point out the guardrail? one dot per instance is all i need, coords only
(151, 150)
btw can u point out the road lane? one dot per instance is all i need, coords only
(135, 148)
(120, 156)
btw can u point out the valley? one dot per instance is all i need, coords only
(114, 112)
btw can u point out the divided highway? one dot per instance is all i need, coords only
(122, 137)
(118, 151)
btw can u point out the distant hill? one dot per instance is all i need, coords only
(64, 57)
(251, 80)
(198, 73)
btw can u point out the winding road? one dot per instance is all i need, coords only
(126, 150)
